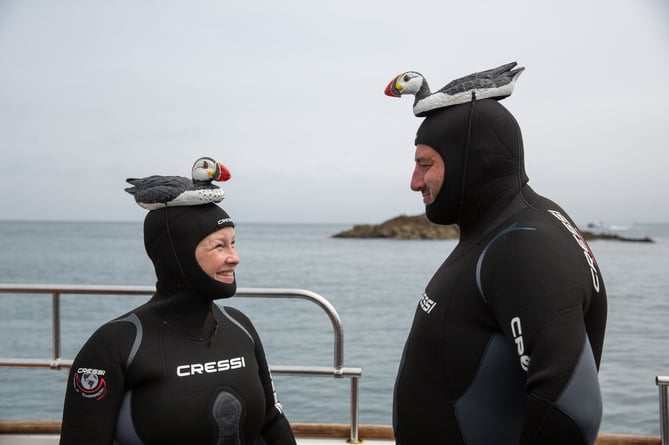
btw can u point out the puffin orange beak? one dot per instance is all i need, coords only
(394, 89)
(221, 173)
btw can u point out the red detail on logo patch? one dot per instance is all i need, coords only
(91, 386)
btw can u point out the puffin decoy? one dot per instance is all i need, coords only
(154, 192)
(496, 83)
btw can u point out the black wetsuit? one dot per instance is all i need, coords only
(507, 338)
(141, 380)
(178, 369)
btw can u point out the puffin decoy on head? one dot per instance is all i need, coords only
(154, 192)
(496, 83)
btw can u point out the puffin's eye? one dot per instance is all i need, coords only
(406, 78)
(205, 165)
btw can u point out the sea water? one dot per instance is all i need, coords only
(374, 284)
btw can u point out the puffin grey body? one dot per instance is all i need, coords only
(154, 192)
(495, 83)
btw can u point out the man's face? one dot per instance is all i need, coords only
(428, 173)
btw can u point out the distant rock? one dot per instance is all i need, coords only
(614, 237)
(403, 227)
(418, 227)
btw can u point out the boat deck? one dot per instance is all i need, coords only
(45, 432)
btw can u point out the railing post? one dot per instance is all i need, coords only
(55, 327)
(662, 383)
(354, 411)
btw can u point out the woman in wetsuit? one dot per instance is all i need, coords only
(507, 337)
(178, 369)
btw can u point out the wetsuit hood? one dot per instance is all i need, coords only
(171, 235)
(482, 148)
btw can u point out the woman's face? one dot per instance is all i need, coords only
(217, 255)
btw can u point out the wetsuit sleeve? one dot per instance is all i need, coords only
(538, 288)
(276, 429)
(95, 387)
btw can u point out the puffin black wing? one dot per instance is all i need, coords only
(492, 79)
(157, 189)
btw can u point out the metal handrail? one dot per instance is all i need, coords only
(57, 362)
(662, 383)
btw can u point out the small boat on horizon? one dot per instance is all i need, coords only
(602, 226)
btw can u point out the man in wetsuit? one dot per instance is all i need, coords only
(178, 369)
(507, 337)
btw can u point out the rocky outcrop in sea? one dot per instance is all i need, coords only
(418, 227)
(402, 227)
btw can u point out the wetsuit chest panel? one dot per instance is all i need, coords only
(451, 330)
(184, 395)
(459, 326)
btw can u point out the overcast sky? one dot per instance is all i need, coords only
(289, 95)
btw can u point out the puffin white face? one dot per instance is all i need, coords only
(411, 82)
(206, 169)
(407, 83)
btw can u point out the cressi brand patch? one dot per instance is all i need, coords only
(426, 303)
(90, 383)
(583, 245)
(224, 220)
